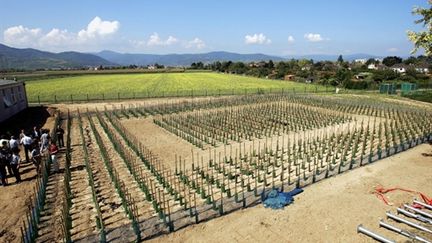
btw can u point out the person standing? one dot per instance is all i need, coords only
(60, 134)
(44, 141)
(36, 133)
(15, 164)
(36, 157)
(22, 134)
(26, 141)
(13, 143)
(4, 162)
(3, 139)
(7, 153)
(53, 150)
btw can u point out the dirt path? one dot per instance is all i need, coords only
(50, 225)
(16, 198)
(82, 211)
(327, 211)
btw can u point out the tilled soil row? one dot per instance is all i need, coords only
(148, 220)
(118, 226)
(82, 211)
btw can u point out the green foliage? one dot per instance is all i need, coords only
(343, 76)
(422, 39)
(385, 75)
(392, 60)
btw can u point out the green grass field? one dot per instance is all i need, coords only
(113, 86)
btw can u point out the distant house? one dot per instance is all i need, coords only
(422, 68)
(289, 77)
(151, 67)
(399, 68)
(13, 97)
(374, 66)
(361, 60)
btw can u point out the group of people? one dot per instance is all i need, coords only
(35, 144)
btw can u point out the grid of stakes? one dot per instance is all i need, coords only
(296, 153)
(294, 161)
(29, 229)
(127, 202)
(67, 200)
(247, 122)
(146, 174)
(99, 219)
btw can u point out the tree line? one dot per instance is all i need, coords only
(355, 75)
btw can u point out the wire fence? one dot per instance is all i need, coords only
(86, 97)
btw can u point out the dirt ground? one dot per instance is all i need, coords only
(15, 197)
(327, 211)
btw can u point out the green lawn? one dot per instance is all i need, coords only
(112, 86)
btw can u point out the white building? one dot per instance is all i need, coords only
(361, 60)
(13, 98)
(399, 68)
(422, 68)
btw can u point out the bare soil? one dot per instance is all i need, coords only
(327, 211)
(15, 198)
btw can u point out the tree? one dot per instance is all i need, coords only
(422, 39)
(372, 61)
(390, 61)
(342, 76)
(270, 64)
(340, 59)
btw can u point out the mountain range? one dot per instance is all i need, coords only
(32, 59)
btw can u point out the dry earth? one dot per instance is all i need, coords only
(327, 211)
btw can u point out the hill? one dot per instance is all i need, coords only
(15, 58)
(182, 59)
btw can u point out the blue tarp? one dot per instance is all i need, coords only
(278, 200)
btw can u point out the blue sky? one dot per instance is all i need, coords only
(190, 26)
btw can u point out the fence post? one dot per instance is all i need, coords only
(103, 96)
(55, 98)
(118, 96)
(87, 98)
(71, 97)
(38, 99)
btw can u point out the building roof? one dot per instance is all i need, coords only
(400, 65)
(7, 82)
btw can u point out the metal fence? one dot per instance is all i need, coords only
(85, 97)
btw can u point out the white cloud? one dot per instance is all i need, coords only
(313, 37)
(291, 39)
(393, 49)
(155, 40)
(196, 43)
(96, 32)
(20, 35)
(98, 28)
(257, 39)
(56, 37)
